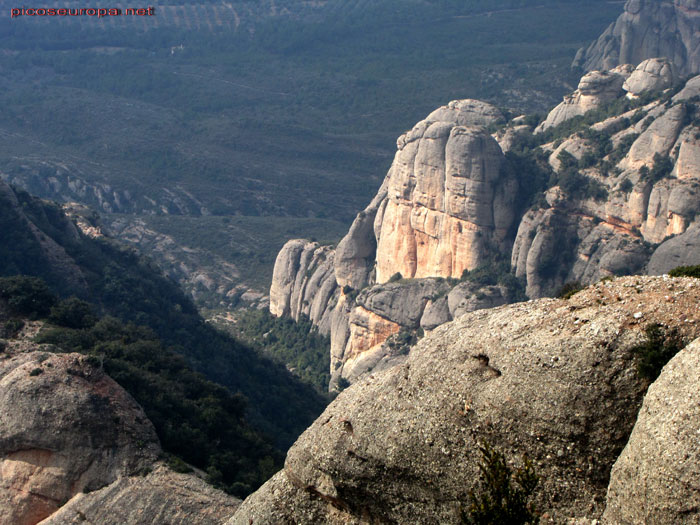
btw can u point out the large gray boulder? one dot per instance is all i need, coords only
(682, 250)
(553, 379)
(654, 74)
(657, 477)
(159, 496)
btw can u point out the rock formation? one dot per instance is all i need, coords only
(595, 89)
(654, 74)
(448, 204)
(76, 448)
(648, 29)
(554, 379)
(655, 478)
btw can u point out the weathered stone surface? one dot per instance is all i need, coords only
(654, 74)
(656, 479)
(691, 89)
(595, 88)
(554, 379)
(66, 428)
(449, 203)
(648, 29)
(303, 283)
(161, 496)
(469, 297)
(436, 312)
(682, 250)
(658, 138)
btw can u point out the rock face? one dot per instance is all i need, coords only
(448, 204)
(161, 496)
(596, 88)
(554, 379)
(648, 29)
(656, 477)
(74, 447)
(654, 74)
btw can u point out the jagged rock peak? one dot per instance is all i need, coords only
(648, 29)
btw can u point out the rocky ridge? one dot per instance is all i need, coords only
(622, 198)
(76, 448)
(551, 378)
(648, 29)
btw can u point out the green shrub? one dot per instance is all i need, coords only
(12, 328)
(569, 290)
(658, 349)
(178, 465)
(686, 271)
(626, 186)
(27, 296)
(504, 494)
(72, 313)
(36, 372)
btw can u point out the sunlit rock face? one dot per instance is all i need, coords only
(449, 202)
(649, 29)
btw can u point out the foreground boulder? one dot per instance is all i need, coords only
(656, 479)
(73, 442)
(553, 379)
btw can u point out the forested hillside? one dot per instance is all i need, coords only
(292, 112)
(39, 240)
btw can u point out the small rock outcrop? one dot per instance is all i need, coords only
(655, 479)
(159, 496)
(75, 447)
(648, 29)
(654, 74)
(595, 89)
(554, 379)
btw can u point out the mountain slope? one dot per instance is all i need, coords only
(38, 239)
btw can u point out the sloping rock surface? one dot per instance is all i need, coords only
(553, 379)
(655, 480)
(161, 496)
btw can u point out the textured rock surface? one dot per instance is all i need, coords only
(648, 29)
(595, 89)
(682, 250)
(447, 204)
(654, 74)
(161, 496)
(67, 428)
(655, 479)
(76, 448)
(551, 378)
